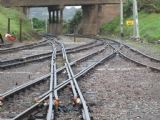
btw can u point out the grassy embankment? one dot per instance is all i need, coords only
(14, 14)
(149, 26)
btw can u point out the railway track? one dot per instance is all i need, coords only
(11, 93)
(18, 75)
(140, 57)
(15, 77)
(69, 93)
(136, 55)
(39, 57)
(24, 47)
(64, 95)
(131, 52)
(122, 88)
(5, 45)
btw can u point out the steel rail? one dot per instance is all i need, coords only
(52, 96)
(81, 73)
(120, 43)
(23, 86)
(60, 86)
(85, 113)
(80, 46)
(68, 71)
(92, 37)
(40, 55)
(74, 85)
(45, 77)
(133, 49)
(25, 58)
(66, 62)
(141, 64)
(43, 95)
(33, 45)
(55, 85)
(152, 68)
(53, 79)
(28, 111)
(139, 52)
(21, 61)
(71, 82)
(123, 44)
(51, 86)
(5, 45)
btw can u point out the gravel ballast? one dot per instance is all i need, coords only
(120, 90)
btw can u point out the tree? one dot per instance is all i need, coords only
(149, 5)
(38, 23)
(143, 5)
(75, 21)
(128, 8)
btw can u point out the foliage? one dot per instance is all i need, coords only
(109, 28)
(149, 18)
(149, 6)
(37, 23)
(128, 8)
(65, 26)
(75, 21)
(15, 16)
(148, 25)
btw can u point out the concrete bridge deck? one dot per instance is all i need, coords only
(95, 12)
(41, 3)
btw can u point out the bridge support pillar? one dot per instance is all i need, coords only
(96, 15)
(89, 23)
(55, 20)
(26, 11)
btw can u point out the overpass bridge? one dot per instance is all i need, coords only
(95, 12)
(41, 3)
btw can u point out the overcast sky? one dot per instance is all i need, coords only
(77, 7)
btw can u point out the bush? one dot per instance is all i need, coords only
(128, 8)
(149, 6)
(148, 27)
(14, 16)
(75, 21)
(109, 28)
(37, 24)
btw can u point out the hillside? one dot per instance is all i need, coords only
(149, 27)
(149, 17)
(14, 14)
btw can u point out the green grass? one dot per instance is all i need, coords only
(111, 27)
(15, 15)
(149, 26)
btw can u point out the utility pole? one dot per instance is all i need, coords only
(75, 32)
(20, 29)
(121, 18)
(32, 23)
(46, 21)
(9, 25)
(136, 22)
